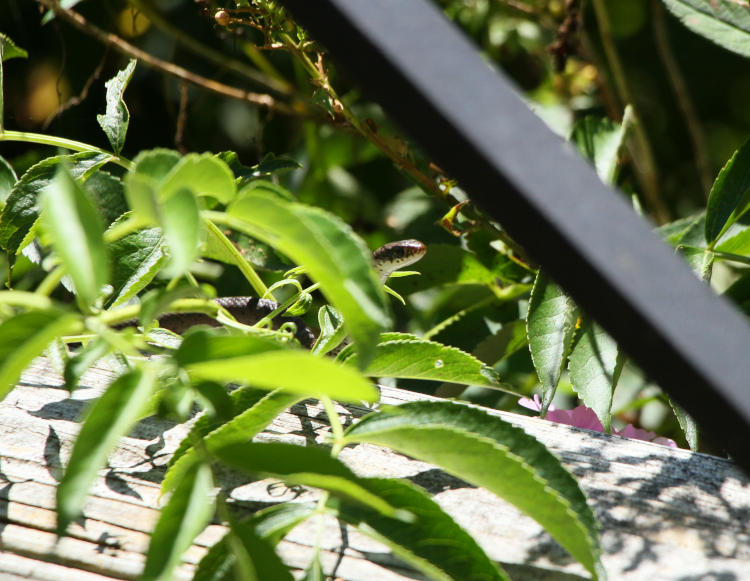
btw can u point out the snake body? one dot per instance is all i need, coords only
(249, 310)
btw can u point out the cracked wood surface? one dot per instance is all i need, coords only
(665, 514)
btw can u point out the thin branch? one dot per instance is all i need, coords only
(643, 154)
(128, 49)
(682, 94)
(181, 119)
(211, 54)
(77, 100)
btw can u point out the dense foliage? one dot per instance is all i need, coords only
(110, 217)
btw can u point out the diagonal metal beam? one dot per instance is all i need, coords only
(468, 117)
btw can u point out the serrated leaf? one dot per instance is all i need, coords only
(551, 326)
(9, 49)
(136, 260)
(72, 221)
(109, 418)
(433, 543)
(305, 466)
(595, 366)
(409, 357)
(599, 140)
(724, 22)
(331, 254)
(185, 515)
(25, 336)
(248, 422)
(108, 195)
(21, 209)
(116, 118)
(489, 452)
(204, 174)
(271, 524)
(181, 224)
(7, 180)
(730, 194)
(687, 424)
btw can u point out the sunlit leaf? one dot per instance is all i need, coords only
(181, 225)
(185, 515)
(432, 543)
(116, 118)
(730, 194)
(110, 418)
(25, 336)
(725, 22)
(8, 179)
(599, 140)
(407, 356)
(595, 366)
(551, 322)
(136, 259)
(71, 219)
(306, 466)
(489, 452)
(204, 174)
(22, 206)
(331, 254)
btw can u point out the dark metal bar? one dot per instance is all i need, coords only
(467, 116)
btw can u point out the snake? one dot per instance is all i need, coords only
(249, 310)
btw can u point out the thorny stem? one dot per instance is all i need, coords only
(643, 154)
(128, 49)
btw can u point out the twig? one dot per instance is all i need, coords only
(684, 102)
(128, 49)
(643, 154)
(211, 54)
(181, 119)
(74, 101)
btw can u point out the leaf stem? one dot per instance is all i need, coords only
(336, 428)
(50, 281)
(8, 135)
(245, 267)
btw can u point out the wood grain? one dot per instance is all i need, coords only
(665, 514)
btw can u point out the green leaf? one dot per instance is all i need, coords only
(136, 259)
(254, 557)
(108, 195)
(25, 336)
(599, 140)
(9, 49)
(155, 163)
(509, 339)
(433, 543)
(21, 209)
(8, 179)
(445, 264)
(252, 417)
(737, 244)
(332, 331)
(730, 194)
(292, 370)
(687, 424)
(331, 254)
(83, 359)
(489, 452)
(181, 224)
(204, 174)
(305, 466)
(185, 515)
(595, 366)
(142, 183)
(115, 120)
(109, 418)
(409, 357)
(725, 22)
(71, 219)
(551, 326)
(272, 524)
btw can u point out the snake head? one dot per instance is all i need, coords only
(394, 255)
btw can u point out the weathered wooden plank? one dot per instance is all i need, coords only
(666, 514)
